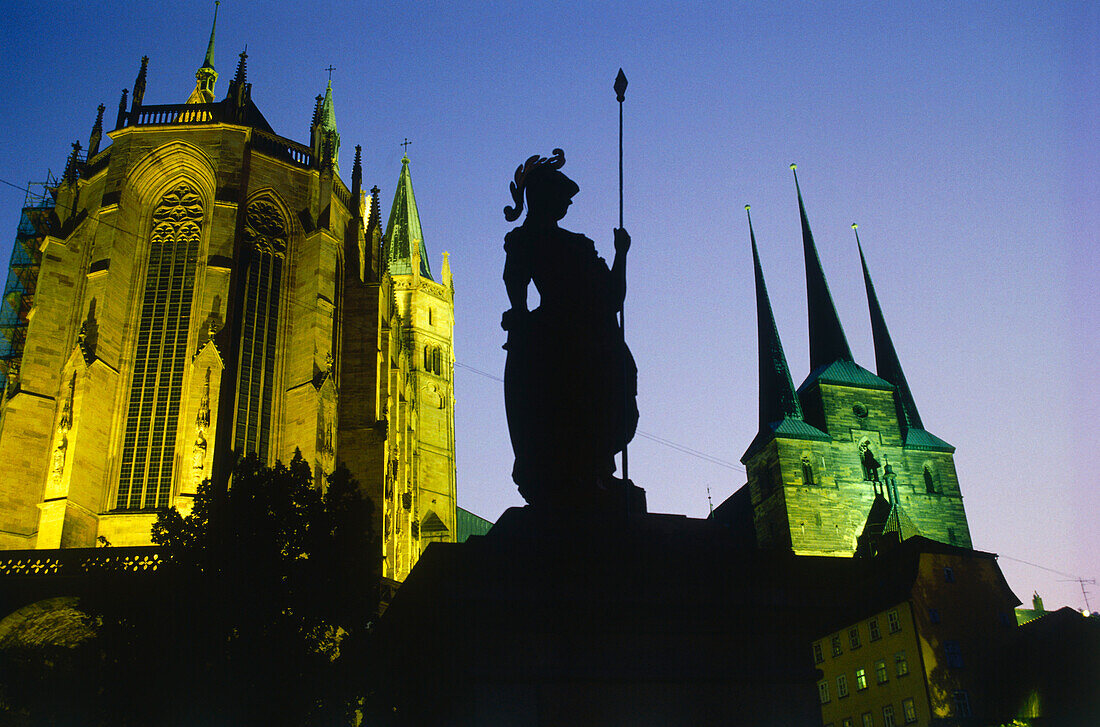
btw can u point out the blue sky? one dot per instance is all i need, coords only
(960, 136)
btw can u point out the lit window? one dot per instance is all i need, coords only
(962, 703)
(148, 441)
(880, 671)
(841, 686)
(853, 637)
(868, 720)
(836, 645)
(949, 575)
(901, 664)
(954, 654)
(888, 716)
(266, 230)
(823, 691)
(846, 722)
(909, 710)
(934, 615)
(861, 679)
(872, 626)
(895, 622)
(818, 656)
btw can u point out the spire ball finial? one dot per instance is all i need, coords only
(793, 166)
(748, 207)
(854, 226)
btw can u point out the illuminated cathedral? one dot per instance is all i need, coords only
(203, 288)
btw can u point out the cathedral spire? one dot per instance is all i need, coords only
(206, 76)
(357, 181)
(886, 357)
(404, 238)
(326, 139)
(139, 84)
(208, 61)
(827, 341)
(777, 396)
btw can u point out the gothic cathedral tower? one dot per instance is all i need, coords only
(426, 308)
(202, 289)
(846, 451)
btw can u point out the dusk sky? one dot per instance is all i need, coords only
(962, 137)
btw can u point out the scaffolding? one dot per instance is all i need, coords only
(26, 258)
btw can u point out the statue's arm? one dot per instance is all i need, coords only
(618, 268)
(517, 275)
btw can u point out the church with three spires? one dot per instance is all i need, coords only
(206, 288)
(845, 457)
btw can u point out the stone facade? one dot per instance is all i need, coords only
(207, 289)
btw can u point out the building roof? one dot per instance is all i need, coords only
(328, 110)
(403, 233)
(467, 524)
(845, 373)
(827, 340)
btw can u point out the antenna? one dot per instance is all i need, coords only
(709, 503)
(1084, 593)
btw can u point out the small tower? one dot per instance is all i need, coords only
(325, 137)
(206, 76)
(426, 310)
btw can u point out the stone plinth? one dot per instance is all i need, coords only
(638, 619)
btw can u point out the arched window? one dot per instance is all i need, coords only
(929, 481)
(807, 471)
(160, 358)
(427, 358)
(868, 462)
(266, 232)
(436, 359)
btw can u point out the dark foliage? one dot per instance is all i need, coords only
(256, 618)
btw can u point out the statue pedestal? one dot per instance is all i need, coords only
(600, 620)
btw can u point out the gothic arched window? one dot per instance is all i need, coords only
(160, 358)
(266, 234)
(929, 481)
(807, 471)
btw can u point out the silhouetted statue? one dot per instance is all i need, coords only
(570, 383)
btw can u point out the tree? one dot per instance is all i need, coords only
(256, 617)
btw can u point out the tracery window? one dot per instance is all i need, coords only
(148, 445)
(265, 232)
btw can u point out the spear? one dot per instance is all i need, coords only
(620, 96)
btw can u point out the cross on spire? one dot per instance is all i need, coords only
(330, 69)
(405, 144)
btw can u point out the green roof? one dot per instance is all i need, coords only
(921, 439)
(467, 524)
(785, 428)
(328, 111)
(403, 232)
(845, 373)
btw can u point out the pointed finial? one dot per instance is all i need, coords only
(317, 110)
(121, 120)
(357, 179)
(241, 66)
(208, 62)
(71, 171)
(97, 132)
(139, 84)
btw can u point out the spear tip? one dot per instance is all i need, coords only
(620, 86)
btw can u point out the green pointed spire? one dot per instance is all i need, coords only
(777, 396)
(404, 238)
(328, 111)
(827, 341)
(208, 62)
(886, 356)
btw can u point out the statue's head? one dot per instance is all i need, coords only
(548, 191)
